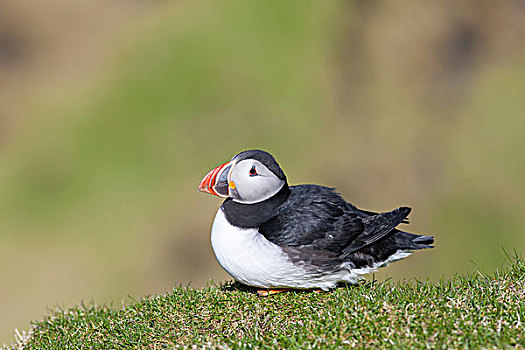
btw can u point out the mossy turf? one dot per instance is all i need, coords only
(474, 310)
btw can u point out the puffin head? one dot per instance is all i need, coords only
(250, 177)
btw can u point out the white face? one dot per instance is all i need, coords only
(253, 181)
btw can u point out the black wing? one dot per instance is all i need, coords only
(317, 217)
(377, 227)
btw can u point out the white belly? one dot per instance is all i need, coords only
(253, 260)
(249, 257)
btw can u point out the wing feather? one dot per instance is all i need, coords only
(325, 221)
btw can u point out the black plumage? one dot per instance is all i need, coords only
(317, 228)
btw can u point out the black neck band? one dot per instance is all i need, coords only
(254, 215)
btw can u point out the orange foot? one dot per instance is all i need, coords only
(268, 292)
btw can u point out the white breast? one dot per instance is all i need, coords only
(249, 257)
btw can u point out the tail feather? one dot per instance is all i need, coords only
(411, 241)
(394, 247)
(424, 241)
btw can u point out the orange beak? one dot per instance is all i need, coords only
(216, 181)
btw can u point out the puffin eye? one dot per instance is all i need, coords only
(253, 172)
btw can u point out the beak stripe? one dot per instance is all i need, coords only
(209, 182)
(215, 172)
(212, 180)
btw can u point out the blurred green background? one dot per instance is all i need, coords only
(111, 112)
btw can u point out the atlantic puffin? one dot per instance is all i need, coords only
(277, 237)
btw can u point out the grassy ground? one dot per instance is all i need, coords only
(467, 311)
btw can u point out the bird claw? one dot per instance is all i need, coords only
(268, 292)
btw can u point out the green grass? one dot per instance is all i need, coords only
(467, 311)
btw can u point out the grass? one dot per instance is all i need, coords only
(472, 310)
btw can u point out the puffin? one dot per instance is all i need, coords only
(275, 237)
